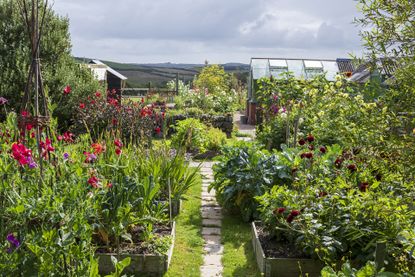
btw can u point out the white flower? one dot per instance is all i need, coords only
(283, 115)
(301, 121)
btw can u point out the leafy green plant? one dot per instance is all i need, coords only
(191, 135)
(243, 172)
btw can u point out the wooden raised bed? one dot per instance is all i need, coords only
(283, 267)
(141, 265)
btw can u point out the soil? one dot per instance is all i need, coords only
(277, 249)
(138, 246)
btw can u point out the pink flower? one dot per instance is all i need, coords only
(81, 105)
(118, 151)
(67, 90)
(118, 143)
(94, 182)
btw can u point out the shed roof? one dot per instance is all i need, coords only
(109, 69)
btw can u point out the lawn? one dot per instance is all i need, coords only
(188, 248)
(238, 258)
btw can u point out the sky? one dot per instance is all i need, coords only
(219, 31)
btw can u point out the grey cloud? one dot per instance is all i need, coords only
(223, 30)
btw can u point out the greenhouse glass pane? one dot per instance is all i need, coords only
(296, 67)
(331, 69)
(313, 64)
(278, 63)
(260, 68)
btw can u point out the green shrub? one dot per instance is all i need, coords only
(191, 134)
(215, 139)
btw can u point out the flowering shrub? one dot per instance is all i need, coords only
(335, 209)
(134, 121)
(93, 194)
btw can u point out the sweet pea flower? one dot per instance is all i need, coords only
(67, 90)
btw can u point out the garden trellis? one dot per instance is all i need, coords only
(34, 14)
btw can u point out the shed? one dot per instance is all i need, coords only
(115, 80)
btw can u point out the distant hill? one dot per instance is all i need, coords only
(158, 74)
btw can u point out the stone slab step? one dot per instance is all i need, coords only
(212, 214)
(211, 271)
(213, 249)
(212, 260)
(209, 231)
(211, 223)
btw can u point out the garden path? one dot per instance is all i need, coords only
(248, 130)
(212, 222)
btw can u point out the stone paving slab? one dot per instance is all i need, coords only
(212, 259)
(213, 249)
(211, 271)
(211, 222)
(210, 231)
(212, 239)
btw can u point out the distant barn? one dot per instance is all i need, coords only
(114, 80)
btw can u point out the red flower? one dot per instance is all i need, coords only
(338, 162)
(301, 142)
(29, 126)
(98, 148)
(295, 213)
(142, 100)
(118, 143)
(310, 138)
(158, 130)
(21, 154)
(81, 105)
(24, 113)
(94, 182)
(47, 147)
(308, 155)
(118, 151)
(323, 149)
(114, 121)
(290, 218)
(322, 194)
(98, 94)
(32, 135)
(109, 185)
(68, 137)
(363, 186)
(352, 167)
(280, 210)
(67, 90)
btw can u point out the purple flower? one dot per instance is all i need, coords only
(13, 241)
(274, 109)
(65, 156)
(31, 162)
(3, 101)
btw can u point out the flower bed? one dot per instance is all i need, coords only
(281, 265)
(148, 264)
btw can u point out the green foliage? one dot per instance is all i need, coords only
(369, 270)
(338, 205)
(88, 197)
(244, 172)
(215, 139)
(58, 67)
(190, 134)
(213, 78)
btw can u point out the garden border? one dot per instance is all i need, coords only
(282, 267)
(150, 265)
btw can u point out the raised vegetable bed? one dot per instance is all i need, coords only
(141, 264)
(282, 267)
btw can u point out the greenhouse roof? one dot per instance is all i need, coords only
(300, 68)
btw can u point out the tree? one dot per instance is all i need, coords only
(389, 32)
(58, 66)
(214, 78)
